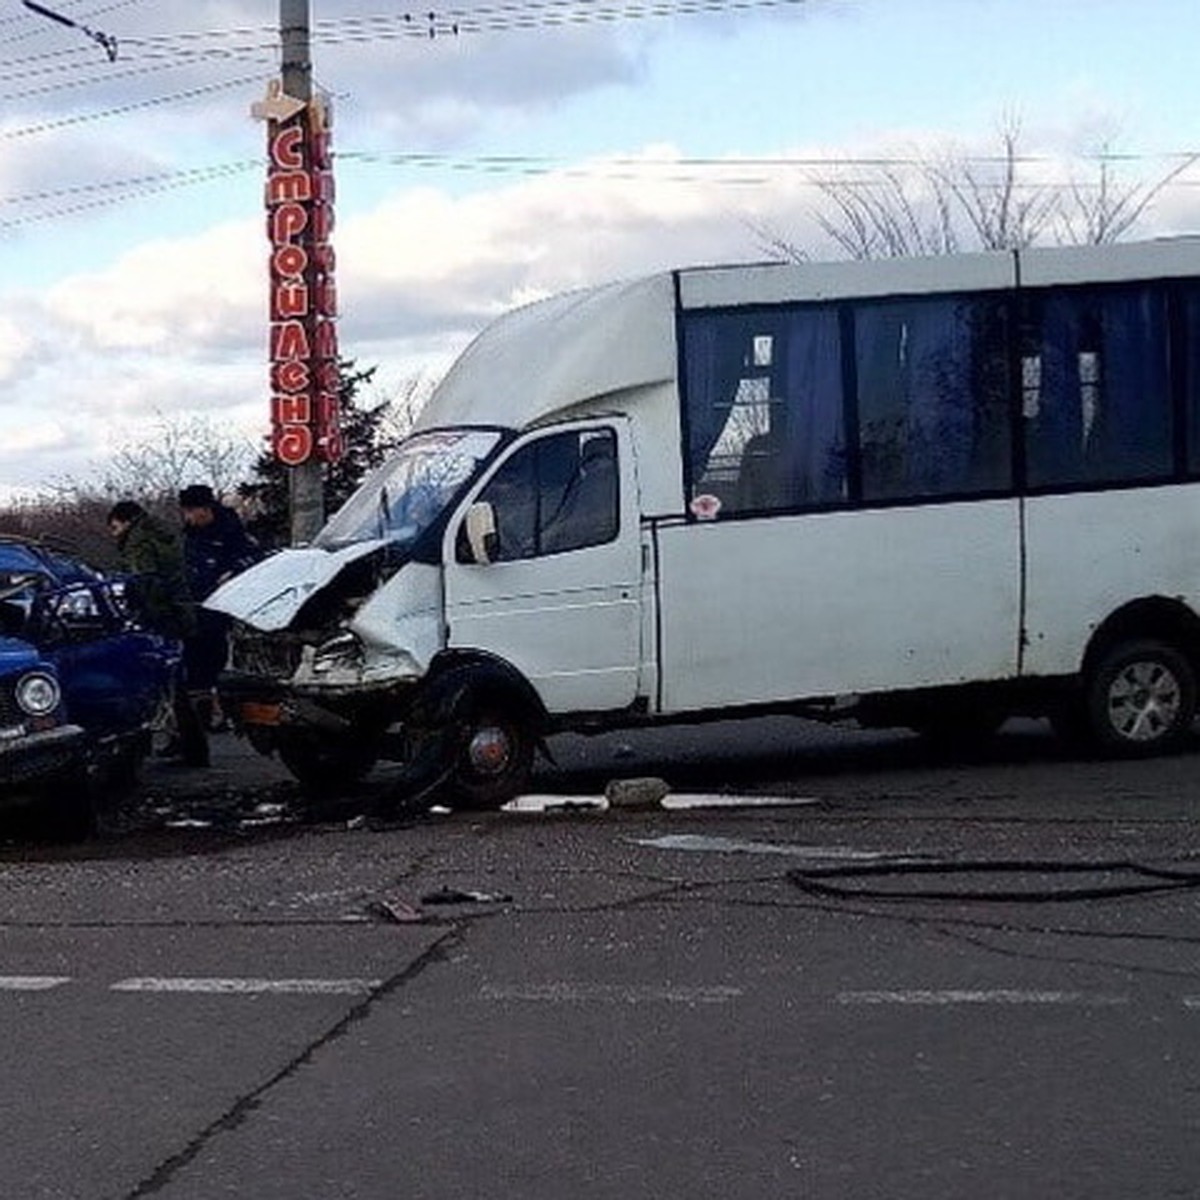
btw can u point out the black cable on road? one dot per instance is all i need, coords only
(824, 881)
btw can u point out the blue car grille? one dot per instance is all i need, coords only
(10, 712)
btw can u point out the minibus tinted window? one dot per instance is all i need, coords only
(764, 409)
(933, 403)
(1096, 392)
(1191, 322)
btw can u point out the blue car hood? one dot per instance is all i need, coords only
(17, 655)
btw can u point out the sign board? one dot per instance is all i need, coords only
(305, 408)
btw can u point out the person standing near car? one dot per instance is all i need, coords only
(152, 555)
(216, 547)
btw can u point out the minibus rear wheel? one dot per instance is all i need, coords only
(1140, 698)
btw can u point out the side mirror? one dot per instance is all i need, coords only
(480, 526)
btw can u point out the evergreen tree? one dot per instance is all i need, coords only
(367, 443)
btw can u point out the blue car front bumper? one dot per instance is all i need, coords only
(29, 761)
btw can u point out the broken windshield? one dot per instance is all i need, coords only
(401, 499)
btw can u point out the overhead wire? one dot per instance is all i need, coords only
(104, 194)
(185, 48)
(683, 171)
(158, 52)
(123, 109)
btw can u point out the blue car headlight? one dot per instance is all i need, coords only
(38, 694)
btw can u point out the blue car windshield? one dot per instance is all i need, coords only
(399, 500)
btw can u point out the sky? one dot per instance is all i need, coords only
(545, 145)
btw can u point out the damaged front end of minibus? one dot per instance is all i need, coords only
(338, 657)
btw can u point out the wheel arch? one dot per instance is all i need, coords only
(455, 675)
(1163, 618)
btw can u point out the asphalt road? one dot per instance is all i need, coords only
(218, 998)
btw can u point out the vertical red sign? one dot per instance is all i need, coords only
(305, 409)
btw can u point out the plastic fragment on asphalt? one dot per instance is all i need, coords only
(448, 895)
(395, 910)
(551, 803)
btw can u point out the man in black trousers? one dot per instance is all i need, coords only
(216, 547)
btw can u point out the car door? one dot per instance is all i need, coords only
(560, 599)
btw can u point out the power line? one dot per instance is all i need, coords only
(124, 109)
(252, 44)
(531, 14)
(91, 81)
(118, 192)
(681, 171)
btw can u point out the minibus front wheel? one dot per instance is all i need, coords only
(1139, 698)
(321, 763)
(492, 748)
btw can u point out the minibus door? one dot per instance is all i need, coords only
(543, 568)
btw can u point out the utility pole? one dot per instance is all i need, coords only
(305, 490)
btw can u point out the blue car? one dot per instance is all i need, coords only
(82, 685)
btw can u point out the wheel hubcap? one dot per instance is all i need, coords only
(1144, 701)
(489, 750)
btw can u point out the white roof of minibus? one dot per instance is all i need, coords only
(584, 345)
(550, 355)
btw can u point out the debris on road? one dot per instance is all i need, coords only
(448, 895)
(394, 910)
(637, 793)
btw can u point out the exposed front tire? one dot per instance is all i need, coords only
(1139, 699)
(492, 757)
(324, 765)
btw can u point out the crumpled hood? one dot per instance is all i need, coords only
(271, 593)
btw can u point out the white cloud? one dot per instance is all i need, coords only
(15, 345)
(162, 324)
(173, 296)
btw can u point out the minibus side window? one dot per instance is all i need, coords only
(932, 397)
(556, 494)
(765, 418)
(1097, 395)
(1191, 345)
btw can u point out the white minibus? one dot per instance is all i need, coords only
(917, 492)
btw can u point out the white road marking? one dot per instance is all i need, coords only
(687, 801)
(705, 843)
(32, 983)
(250, 987)
(951, 996)
(606, 993)
(539, 803)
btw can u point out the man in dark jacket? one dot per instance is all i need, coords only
(215, 548)
(159, 594)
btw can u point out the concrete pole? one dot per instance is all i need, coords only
(305, 490)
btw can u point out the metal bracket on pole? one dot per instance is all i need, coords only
(101, 39)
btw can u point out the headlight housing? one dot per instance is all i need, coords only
(340, 653)
(38, 694)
